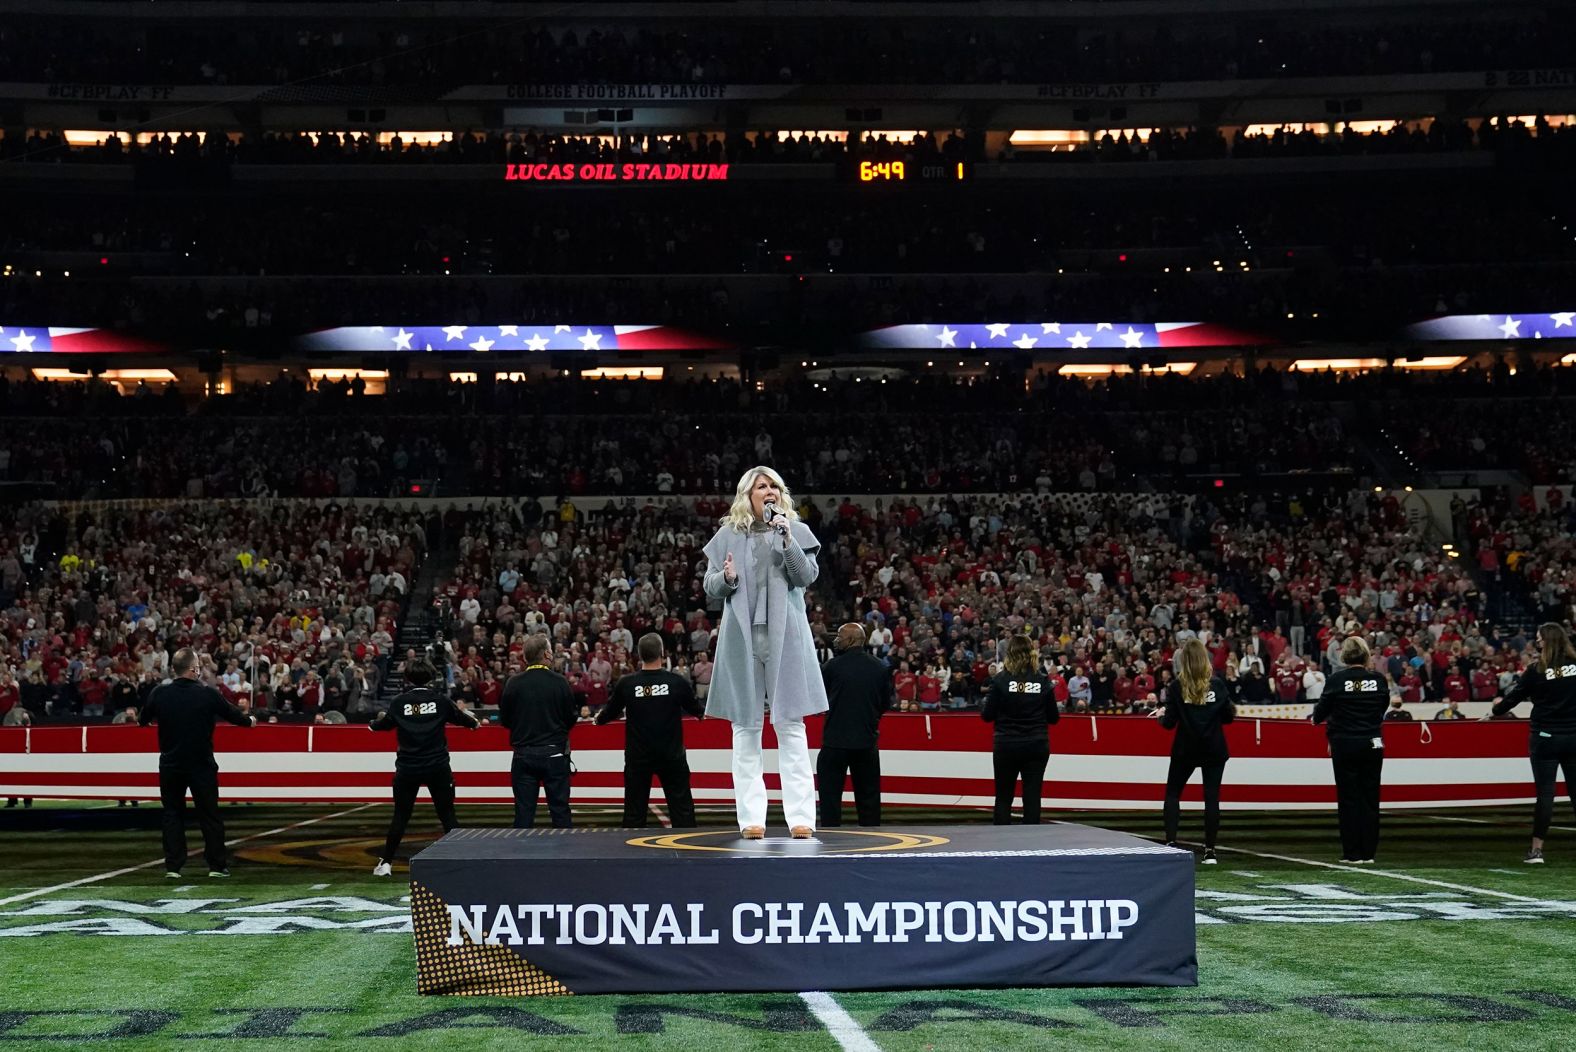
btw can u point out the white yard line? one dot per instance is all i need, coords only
(159, 861)
(1373, 872)
(842, 1026)
(1490, 822)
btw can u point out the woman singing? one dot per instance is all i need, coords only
(1353, 703)
(1021, 705)
(1197, 703)
(759, 563)
(1550, 684)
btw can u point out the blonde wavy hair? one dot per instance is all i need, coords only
(1194, 671)
(741, 514)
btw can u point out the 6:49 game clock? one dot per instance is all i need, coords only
(907, 173)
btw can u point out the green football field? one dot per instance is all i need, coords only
(1449, 942)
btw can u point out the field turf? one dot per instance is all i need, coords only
(1449, 942)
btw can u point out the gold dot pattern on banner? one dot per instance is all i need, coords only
(468, 970)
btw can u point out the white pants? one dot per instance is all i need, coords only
(793, 763)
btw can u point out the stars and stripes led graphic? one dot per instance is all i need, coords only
(54, 339)
(500, 338)
(1060, 336)
(1560, 325)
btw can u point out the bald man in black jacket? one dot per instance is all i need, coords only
(858, 691)
(185, 711)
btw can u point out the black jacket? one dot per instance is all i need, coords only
(1353, 704)
(1552, 693)
(654, 702)
(538, 708)
(858, 691)
(185, 711)
(419, 715)
(1021, 707)
(1199, 735)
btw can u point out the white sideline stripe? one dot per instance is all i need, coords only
(842, 1026)
(1488, 822)
(1372, 872)
(900, 763)
(159, 861)
(377, 792)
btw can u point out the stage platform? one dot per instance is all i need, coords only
(545, 911)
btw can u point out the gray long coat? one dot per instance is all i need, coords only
(793, 676)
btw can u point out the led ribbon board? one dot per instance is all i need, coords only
(466, 339)
(1560, 325)
(1060, 336)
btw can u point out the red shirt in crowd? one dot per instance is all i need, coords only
(1411, 687)
(1287, 683)
(1058, 686)
(904, 685)
(1219, 651)
(1484, 684)
(1456, 687)
(488, 692)
(929, 689)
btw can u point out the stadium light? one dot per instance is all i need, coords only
(1433, 362)
(636, 372)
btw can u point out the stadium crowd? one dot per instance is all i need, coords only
(996, 431)
(295, 606)
(1533, 437)
(1512, 139)
(329, 51)
(618, 451)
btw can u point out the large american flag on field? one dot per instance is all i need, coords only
(501, 338)
(47, 339)
(1060, 336)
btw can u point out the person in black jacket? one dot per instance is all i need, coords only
(858, 691)
(539, 708)
(1353, 707)
(1550, 684)
(185, 711)
(1197, 703)
(1021, 705)
(419, 717)
(655, 701)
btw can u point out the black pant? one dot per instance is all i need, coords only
(204, 786)
(1357, 767)
(1548, 755)
(1013, 761)
(864, 765)
(674, 774)
(1182, 768)
(545, 767)
(439, 782)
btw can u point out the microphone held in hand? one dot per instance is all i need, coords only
(774, 518)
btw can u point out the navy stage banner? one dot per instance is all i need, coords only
(520, 912)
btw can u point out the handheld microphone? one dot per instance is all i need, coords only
(769, 509)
